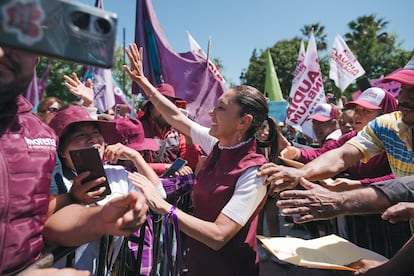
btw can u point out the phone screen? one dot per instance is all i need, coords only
(88, 159)
(178, 164)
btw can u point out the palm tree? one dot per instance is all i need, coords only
(367, 26)
(320, 36)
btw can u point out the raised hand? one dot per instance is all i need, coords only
(77, 88)
(135, 70)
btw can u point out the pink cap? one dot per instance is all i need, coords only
(403, 76)
(325, 112)
(371, 98)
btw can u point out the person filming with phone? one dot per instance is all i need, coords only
(77, 130)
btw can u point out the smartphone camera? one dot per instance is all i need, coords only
(89, 23)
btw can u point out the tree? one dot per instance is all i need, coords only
(320, 36)
(377, 50)
(284, 55)
(55, 81)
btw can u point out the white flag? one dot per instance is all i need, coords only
(197, 51)
(300, 68)
(308, 92)
(344, 67)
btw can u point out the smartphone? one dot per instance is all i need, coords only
(88, 159)
(178, 164)
(64, 29)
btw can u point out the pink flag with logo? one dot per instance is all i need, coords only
(344, 67)
(308, 92)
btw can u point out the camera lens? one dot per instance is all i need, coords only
(102, 26)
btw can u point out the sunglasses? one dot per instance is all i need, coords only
(52, 109)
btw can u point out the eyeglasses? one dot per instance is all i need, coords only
(52, 109)
(404, 108)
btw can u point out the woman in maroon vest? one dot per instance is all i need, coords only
(227, 194)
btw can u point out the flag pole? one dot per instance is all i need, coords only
(208, 50)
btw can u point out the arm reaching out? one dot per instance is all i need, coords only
(119, 217)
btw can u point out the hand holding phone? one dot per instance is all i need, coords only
(88, 159)
(178, 164)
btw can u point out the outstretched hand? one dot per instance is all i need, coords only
(279, 177)
(77, 88)
(154, 200)
(125, 214)
(314, 203)
(402, 211)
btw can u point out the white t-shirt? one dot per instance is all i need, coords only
(249, 190)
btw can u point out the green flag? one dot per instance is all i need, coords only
(272, 87)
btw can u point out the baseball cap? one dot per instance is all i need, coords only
(404, 75)
(371, 98)
(75, 114)
(130, 132)
(325, 112)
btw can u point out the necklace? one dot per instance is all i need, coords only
(235, 146)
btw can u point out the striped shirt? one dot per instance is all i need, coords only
(388, 133)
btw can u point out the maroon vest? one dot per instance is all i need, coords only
(27, 159)
(213, 189)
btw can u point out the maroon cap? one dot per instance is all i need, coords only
(130, 132)
(167, 90)
(75, 114)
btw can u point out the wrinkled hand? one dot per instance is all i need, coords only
(135, 56)
(154, 200)
(364, 265)
(77, 88)
(402, 211)
(80, 192)
(280, 177)
(314, 203)
(290, 152)
(125, 214)
(342, 184)
(118, 151)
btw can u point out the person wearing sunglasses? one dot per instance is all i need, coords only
(47, 108)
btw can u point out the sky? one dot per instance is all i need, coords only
(237, 27)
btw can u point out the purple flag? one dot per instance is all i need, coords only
(188, 74)
(36, 88)
(42, 83)
(107, 92)
(32, 92)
